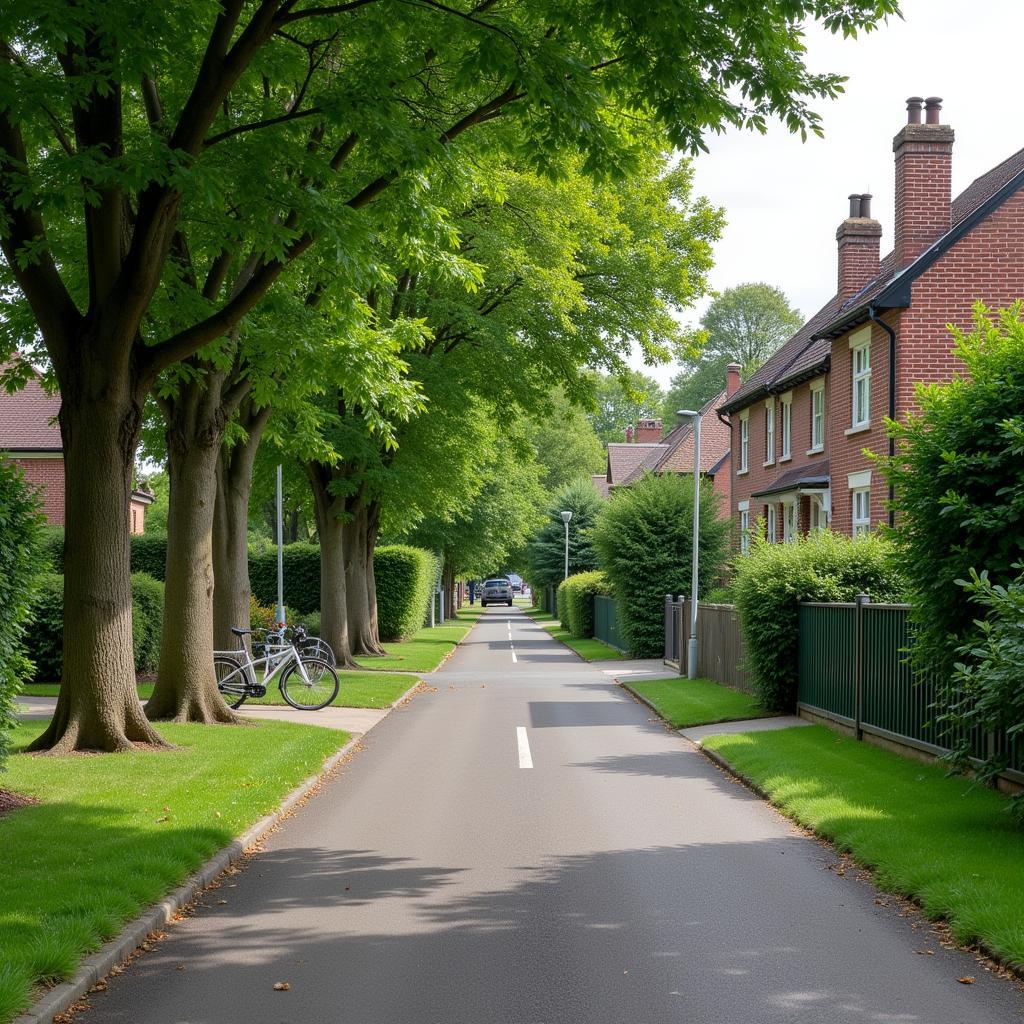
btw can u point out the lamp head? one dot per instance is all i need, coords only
(566, 516)
(690, 413)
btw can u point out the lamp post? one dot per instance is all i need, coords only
(280, 551)
(691, 651)
(566, 516)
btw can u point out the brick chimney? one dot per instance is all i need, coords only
(924, 165)
(732, 379)
(648, 431)
(629, 434)
(858, 239)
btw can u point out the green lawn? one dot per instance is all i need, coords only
(682, 702)
(358, 690)
(588, 648)
(113, 833)
(428, 647)
(944, 841)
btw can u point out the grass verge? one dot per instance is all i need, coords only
(588, 648)
(685, 702)
(358, 690)
(113, 833)
(427, 648)
(944, 841)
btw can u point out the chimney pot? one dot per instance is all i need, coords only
(865, 205)
(914, 109)
(854, 205)
(629, 434)
(933, 109)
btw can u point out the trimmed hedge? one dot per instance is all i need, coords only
(562, 606)
(301, 577)
(773, 579)
(46, 640)
(578, 593)
(405, 585)
(21, 560)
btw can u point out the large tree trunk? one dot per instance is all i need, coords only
(98, 707)
(186, 688)
(372, 531)
(358, 579)
(231, 591)
(333, 603)
(448, 586)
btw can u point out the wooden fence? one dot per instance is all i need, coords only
(720, 651)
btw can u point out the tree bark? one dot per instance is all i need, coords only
(372, 532)
(186, 688)
(333, 603)
(98, 707)
(231, 590)
(359, 579)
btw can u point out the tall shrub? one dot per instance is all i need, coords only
(545, 552)
(644, 542)
(773, 579)
(21, 561)
(405, 585)
(577, 593)
(958, 476)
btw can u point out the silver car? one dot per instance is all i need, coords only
(496, 591)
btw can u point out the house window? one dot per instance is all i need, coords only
(818, 418)
(770, 516)
(862, 384)
(817, 512)
(786, 416)
(744, 528)
(789, 521)
(861, 511)
(744, 441)
(769, 431)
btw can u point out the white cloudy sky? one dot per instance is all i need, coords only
(784, 199)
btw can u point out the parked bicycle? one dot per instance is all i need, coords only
(307, 681)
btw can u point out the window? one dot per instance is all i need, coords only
(786, 416)
(770, 516)
(789, 521)
(861, 511)
(861, 352)
(818, 518)
(769, 431)
(817, 418)
(744, 508)
(744, 441)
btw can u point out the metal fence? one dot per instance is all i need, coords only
(853, 669)
(720, 652)
(606, 622)
(673, 621)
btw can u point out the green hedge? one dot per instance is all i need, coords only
(562, 606)
(45, 642)
(21, 560)
(773, 579)
(577, 594)
(405, 583)
(301, 577)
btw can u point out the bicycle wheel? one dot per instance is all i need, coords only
(321, 689)
(230, 680)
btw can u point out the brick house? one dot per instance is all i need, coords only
(801, 424)
(646, 451)
(30, 437)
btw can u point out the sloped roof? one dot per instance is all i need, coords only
(816, 475)
(626, 456)
(806, 354)
(28, 420)
(714, 442)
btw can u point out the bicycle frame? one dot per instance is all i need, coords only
(277, 658)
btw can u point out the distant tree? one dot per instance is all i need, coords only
(545, 554)
(565, 443)
(691, 389)
(622, 399)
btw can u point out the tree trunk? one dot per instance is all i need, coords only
(186, 688)
(98, 707)
(448, 586)
(333, 603)
(372, 531)
(231, 591)
(361, 632)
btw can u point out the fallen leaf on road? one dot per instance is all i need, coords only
(967, 979)
(180, 967)
(100, 986)
(281, 986)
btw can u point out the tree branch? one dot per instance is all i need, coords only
(254, 126)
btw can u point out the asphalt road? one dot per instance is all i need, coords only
(622, 878)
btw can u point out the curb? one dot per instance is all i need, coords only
(113, 952)
(643, 700)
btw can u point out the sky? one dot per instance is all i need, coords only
(784, 199)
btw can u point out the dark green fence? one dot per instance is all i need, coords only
(853, 669)
(606, 622)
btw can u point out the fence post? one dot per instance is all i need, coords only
(681, 619)
(858, 692)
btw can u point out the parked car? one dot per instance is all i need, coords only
(496, 591)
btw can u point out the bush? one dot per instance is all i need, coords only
(53, 548)
(579, 592)
(562, 606)
(21, 561)
(959, 485)
(773, 579)
(405, 584)
(149, 554)
(301, 577)
(545, 553)
(644, 541)
(45, 641)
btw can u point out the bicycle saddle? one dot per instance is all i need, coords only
(238, 631)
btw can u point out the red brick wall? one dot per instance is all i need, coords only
(136, 516)
(924, 165)
(47, 476)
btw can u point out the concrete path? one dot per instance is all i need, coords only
(698, 733)
(528, 845)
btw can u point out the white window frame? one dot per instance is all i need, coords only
(744, 511)
(769, 431)
(744, 442)
(786, 424)
(770, 525)
(817, 418)
(818, 516)
(789, 521)
(860, 378)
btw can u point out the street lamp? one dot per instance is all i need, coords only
(566, 516)
(691, 653)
